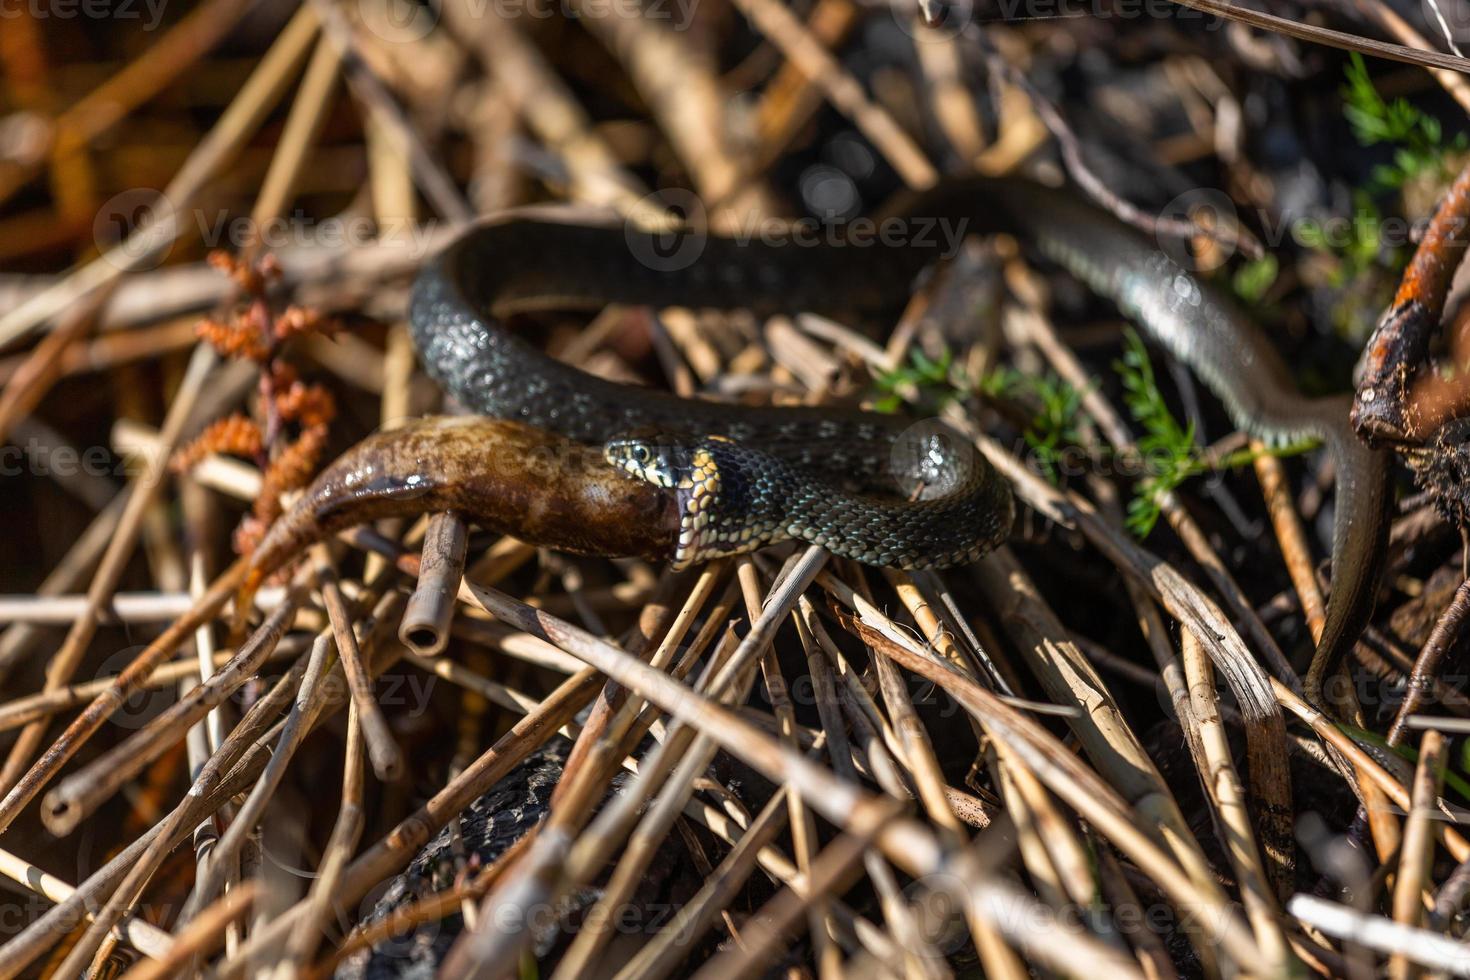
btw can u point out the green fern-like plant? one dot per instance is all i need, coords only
(1416, 137)
(934, 379)
(1168, 447)
(1055, 416)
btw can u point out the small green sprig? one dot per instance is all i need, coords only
(1053, 425)
(1416, 136)
(1057, 413)
(935, 380)
(1168, 448)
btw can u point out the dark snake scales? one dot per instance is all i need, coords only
(844, 478)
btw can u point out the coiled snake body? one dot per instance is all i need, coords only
(864, 485)
(868, 486)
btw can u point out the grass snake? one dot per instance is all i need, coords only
(723, 478)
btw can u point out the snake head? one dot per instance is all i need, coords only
(689, 469)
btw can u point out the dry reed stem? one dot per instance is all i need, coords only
(104, 107)
(383, 750)
(834, 871)
(78, 795)
(825, 693)
(240, 758)
(1335, 39)
(126, 607)
(42, 365)
(1416, 853)
(790, 99)
(84, 553)
(541, 99)
(890, 747)
(924, 772)
(1290, 535)
(1078, 786)
(1222, 783)
(779, 868)
(131, 679)
(804, 839)
(397, 848)
(308, 699)
(1367, 766)
(430, 609)
(374, 97)
(245, 112)
(140, 935)
(616, 820)
(665, 951)
(724, 679)
(844, 92)
(1264, 726)
(203, 936)
(684, 95)
(651, 832)
(593, 756)
(182, 817)
(303, 124)
(1447, 628)
(1430, 949)
(1069, 679)
(64, 663)
(346, 832)
(1043, 333)
(256, 98)
(38, 705)
(905, 842)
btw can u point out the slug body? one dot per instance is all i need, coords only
(722, 478)
(503, 475)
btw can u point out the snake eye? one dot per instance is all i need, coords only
(641, 454)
